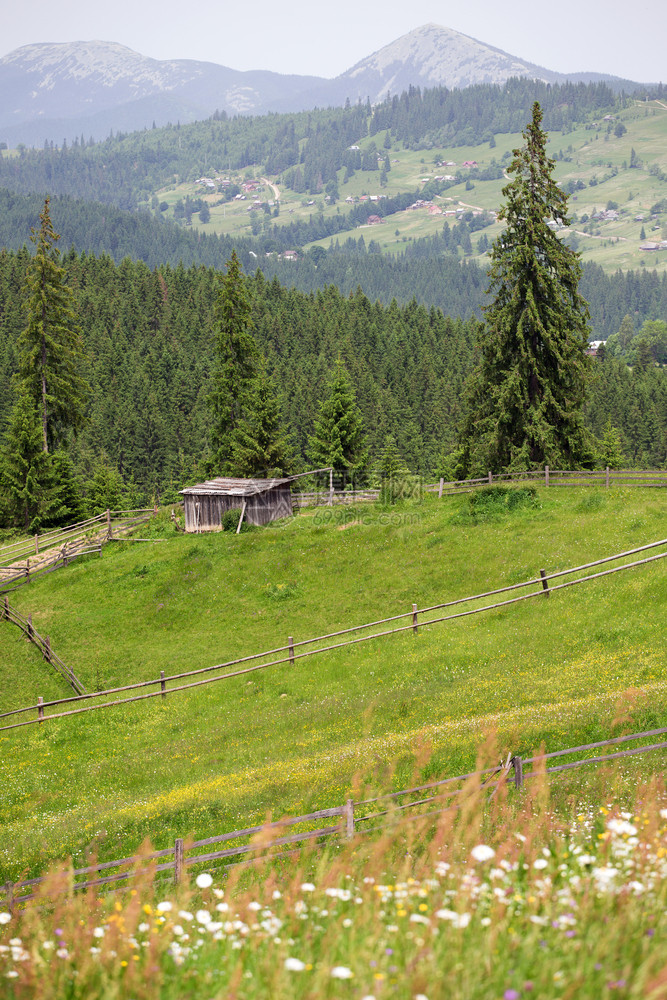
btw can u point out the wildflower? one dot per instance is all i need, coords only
(540, 863)
(5, 917)
(341, 972)
(621, 827)
(307, 887)
(511, 995)
(482, 853)
(98, 932)
(294, 965)
(203, 917)
(184, 915)
(204, 881)
(163, 907)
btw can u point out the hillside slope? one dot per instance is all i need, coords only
(288, 738)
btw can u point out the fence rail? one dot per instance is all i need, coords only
(246, 664)
(261, 844)
(7, 613)
(63, 545)
(556, 477)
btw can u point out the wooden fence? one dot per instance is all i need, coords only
(259, 843)
(295, 650)
(58, 548)
(547, 477)
(7, 613)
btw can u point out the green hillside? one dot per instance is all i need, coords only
(287, 739)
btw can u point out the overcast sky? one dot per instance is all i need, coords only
(618, 37)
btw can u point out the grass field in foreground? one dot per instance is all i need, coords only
(292, 739)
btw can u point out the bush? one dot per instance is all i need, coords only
(230, 520)
(491, 501)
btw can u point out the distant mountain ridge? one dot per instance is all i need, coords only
(51, 91)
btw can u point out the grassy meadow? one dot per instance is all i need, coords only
(585, 664)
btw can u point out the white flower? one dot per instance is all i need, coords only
(164, 907)
(621, 826)
(203, 917)
(204, 881)
(254, 906)
(222, 907)
(482, 852)
(341, 972)
(5, 917)
(663, 814)
(184, 915)
(294, 965)
(277, 894)
(540, 863)
(586, 859)
(456, 919)
(307, 887)
(420, 996)
(143, 927)
(417, 918)
(98, 932)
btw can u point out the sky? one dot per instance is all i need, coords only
(301, 36)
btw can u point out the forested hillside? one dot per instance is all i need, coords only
(149, 338)
(124, 170)
(427, 270)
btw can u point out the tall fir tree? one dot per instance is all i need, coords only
(525, 397)
(260, 447)
(338, 439)
(26, 477)
(236, 363)
(52, 352)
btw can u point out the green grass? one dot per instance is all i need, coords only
(289, 739)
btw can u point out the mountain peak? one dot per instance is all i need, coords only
(431, 56)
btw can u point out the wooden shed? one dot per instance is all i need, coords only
(260, 500)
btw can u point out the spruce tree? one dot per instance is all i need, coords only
(236, 363)
(525, 397)
(52, 352)
(26, 479)
(338, 439)
(260, 447)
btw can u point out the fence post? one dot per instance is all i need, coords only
(109, 532)
(27, 571)
(36, 545)
(518, 772)
(442, 482)
(490, 477)
(348, 816)
(606, 477)
(331, 489)
(414, 618)
(546, 475)
(290, 644)
(178, 860)
(163, 685)
(9, 896)
(545, 582)
(30, 625)
(65, 554)
(40, 709)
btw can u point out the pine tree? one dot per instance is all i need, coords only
(338, 439)
(612, 455)
(260, 447)
(52, 352)
(26, 480)
(393, 473)
(525, 397)
(237, 359)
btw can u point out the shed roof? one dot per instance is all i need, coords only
(234, 487)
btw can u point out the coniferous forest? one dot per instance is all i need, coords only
(150, 354)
